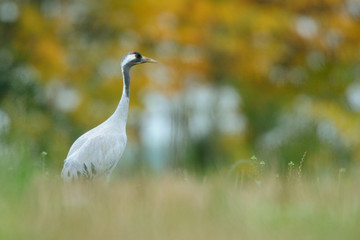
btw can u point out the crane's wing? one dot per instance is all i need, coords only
(82, 139)
(94, 156)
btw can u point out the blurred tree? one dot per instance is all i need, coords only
(294, 65)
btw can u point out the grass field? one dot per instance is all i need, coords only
(40, 206)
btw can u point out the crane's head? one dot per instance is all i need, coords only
(134, 58)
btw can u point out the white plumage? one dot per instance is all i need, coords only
(96, 153)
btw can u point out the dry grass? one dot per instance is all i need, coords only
(171, 207)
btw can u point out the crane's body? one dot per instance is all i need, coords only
(96, 153)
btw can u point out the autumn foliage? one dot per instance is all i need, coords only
(236, 78)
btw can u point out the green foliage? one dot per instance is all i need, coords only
(293, 65)
(16, 168)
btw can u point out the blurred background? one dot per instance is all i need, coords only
(269, 78)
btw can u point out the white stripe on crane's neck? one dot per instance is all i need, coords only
(128, 58)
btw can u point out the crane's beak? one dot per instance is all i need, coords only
(147, 60)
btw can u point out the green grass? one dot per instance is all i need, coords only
(245, 201)
(174, 207)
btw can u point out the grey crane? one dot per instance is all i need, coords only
(96, 152)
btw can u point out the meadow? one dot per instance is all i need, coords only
(224, 204)
(233, 79)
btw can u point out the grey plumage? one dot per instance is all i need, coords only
(96, 153)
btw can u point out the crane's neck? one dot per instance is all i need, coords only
(126, 80)
(121, 112)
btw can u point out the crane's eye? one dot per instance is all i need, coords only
(137, 55)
